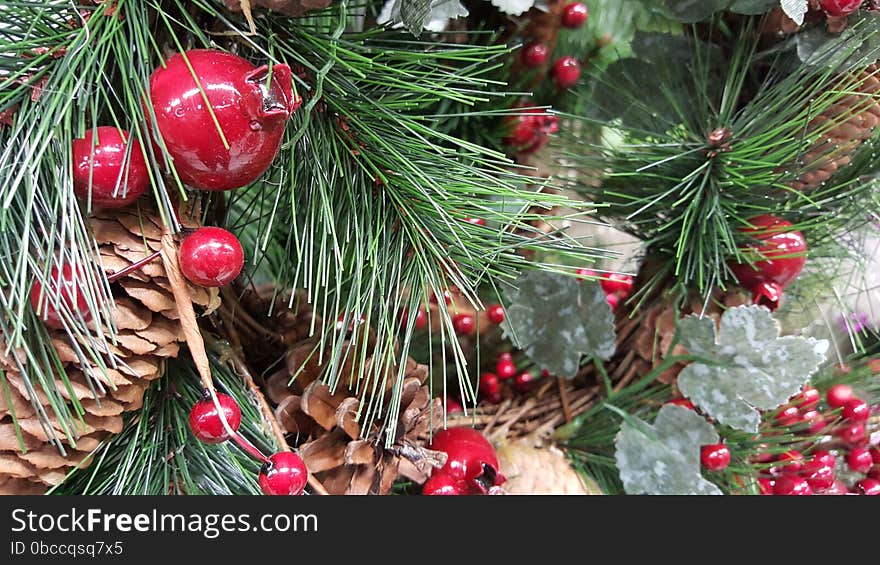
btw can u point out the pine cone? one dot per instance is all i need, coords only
(843, 127)
(147, 333)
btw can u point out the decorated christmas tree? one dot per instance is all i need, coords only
(439, 247)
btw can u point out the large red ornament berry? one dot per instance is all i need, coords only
(64, 288)
(251, 116)
(529, 131)
(103, 161)
(566, 72)
(784, 251)
(840, 7)
(574, 15)
(791, 485)
(284, 474)
(441, 484)
(211, 257)
(471, 464)
(838, 395)
(204, 418)
(715, 457)
(535, 55)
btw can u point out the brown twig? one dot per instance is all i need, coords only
(563, 397)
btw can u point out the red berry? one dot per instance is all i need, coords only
(825, 458)
(476, 221)
(874, 473)
(784, 251)
(765, 486)
(566, 72)
(251, 117)
(868, 487)
(793, 462)
(464, 324)
(616, 283)
(838, 488)
(856, 410)
(788, 416)
(64, 290)
(683, 402)
(211, 257)
(441, 484)
(815, 420)
(505, 356)
(838, 395)
(116, 174)
(586, 273)
(495, 313)
(613, 301)
(574, 15)
(859, 460)
(524, 382)
(818, 475)
(421, 319)
(284, 474)
(715, 457)
(875, 455)
(791, 485)
(840, 7)
(505, 369)
(452, 405)
(471, 460)
(530, 130)
(490, 384)
(204, 418)
(447, 298)
(535, 55)
(852, 435)
(807, 399)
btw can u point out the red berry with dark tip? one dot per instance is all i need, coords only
(496, 313)
(505, 369)
(490, 384)
(105, 161)
(535, 55)
(205, 422)
(838, 395)
(64, 289)
(856, 410)
(566, 72)
(818, 475)
(574, 15)
(807, 399)
(867, 487)
(464, 324)
(211, 257)
(839, 8)
(715, 457)
(471, 463)
(852, 434)
(859, 460)
(791, 485)
(284, 474)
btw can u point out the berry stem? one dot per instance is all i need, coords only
(134, 266)
(250, 448)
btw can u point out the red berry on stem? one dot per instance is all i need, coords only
(791, 485)
(818, 475)
(838, 395)
(859, 460)
(852, 434)
(715, 457)
(815, 420)
(856, 410)
(284, 474)
(490, 384)
(784, 253)
(505, 369)
(535, 55)
(211, 257)
(616, 283)
(116, 173)
(251, 116)
(868, 487)
(807, 399)
(464, 324)
(496, 313)
(63, 287)
(471, 461)
(204, 418)
(574, 15)
(793, 462)
(824, 458)
(566, 72)
(788, 416)
(839, 8)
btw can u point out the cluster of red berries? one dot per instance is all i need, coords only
(490, 385)
(471, 466)
(530, 130)
(282, 473)
(566, 71)
(617, 287)
(466, 323)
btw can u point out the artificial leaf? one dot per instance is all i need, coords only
(753, 6)
(556, 319)
(441, 12)
(513, 7)
(664, 458)
(795, 9)
(691, 11)
(747, 367)
(415, 14)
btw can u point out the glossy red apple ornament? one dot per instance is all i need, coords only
(103, 161)
(784, 251)
(471, 466)
(251, 116)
